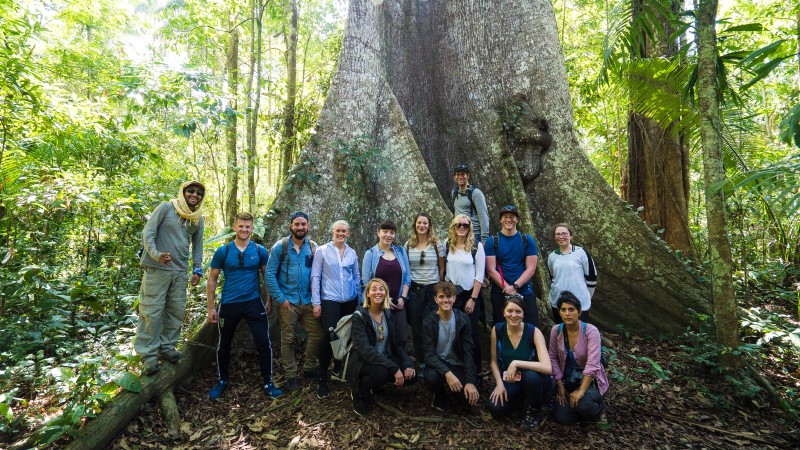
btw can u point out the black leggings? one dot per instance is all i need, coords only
(331, 313)
(256, 316)
(372, 376)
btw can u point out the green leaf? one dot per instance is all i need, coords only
(746, 27)
(6, 412)
(129, 382)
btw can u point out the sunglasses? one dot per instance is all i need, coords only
(380, 332)
(241, 259)
(199, 192)
(463, 225)
(422, 257)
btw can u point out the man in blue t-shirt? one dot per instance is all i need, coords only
(241, 260)
(511, 259)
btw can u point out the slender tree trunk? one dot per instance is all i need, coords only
(253, 99)
(232, 168)
(722, 295)
(658, 160)
(291, 91)
(424, 85)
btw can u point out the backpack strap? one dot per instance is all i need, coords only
(284, 252)
(498, 333)
(529, 328)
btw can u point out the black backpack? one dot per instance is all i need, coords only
(285, 251)
(455, 193)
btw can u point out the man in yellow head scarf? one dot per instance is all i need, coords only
(172, 228)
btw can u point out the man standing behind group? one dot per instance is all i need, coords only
(289, 282)
(241, 260)
(471, 202)
(172, 227)
(510, 264)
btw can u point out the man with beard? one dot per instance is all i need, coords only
(172, 227)
(289, 282)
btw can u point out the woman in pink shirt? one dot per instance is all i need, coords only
(575, 358)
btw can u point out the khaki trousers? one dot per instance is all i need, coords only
(311, 324)
(161, 310)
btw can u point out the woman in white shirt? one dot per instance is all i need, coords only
(571, 269)
(466, 268)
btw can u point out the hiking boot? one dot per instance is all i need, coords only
(272, 391)
(172, 355)
(439, 402)
(533, 419)
(322, 390)
(151, 367)
(217, 390)
(312, 374)
(291, 385)
(360, 406)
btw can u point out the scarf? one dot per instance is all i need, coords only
(183, 209)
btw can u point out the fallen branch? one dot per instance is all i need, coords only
(125, 406)
(773, 394)
(405, 416)
(745, 435)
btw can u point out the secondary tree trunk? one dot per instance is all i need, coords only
(423, 85)
(291, 91)
(657, 175)
(253, 99)
(232, 166)
(101, 431)
(722, 295)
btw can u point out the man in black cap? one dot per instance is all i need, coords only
(511, 259)
(471, 202)
(288, 279)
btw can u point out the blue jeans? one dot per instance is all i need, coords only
(532, 388)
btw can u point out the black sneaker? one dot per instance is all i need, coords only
(533, 419)
(360, 406)
(291, 385)
(439, 402)
(322, 390)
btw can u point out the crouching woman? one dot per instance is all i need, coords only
(377, 357)
(580, 376)
(520, 365)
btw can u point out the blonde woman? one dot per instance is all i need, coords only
(377, 356)
(466, 264)
(426, 260)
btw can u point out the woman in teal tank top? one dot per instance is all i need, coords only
(520, 365)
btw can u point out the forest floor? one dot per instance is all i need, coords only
(657, 399)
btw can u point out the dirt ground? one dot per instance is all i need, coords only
(656, 400)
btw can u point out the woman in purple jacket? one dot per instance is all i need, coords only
(575, 358)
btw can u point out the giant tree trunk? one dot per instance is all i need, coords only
(657, 175)
(427, 84)
(723, 298)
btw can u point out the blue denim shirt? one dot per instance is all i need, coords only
(332, 279)
(293, 283)
(371, 259)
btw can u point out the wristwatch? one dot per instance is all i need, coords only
(474, 299)
(404, 298)
(515, 286)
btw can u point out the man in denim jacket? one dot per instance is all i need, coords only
(288, 279)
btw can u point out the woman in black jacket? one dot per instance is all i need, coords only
(447, 343)
(377, 357)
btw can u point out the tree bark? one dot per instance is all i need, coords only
(102, 430)
(657, 175)
(423, 85)
(253, 99)
(232, 167)
(722, 295)
(291, 91)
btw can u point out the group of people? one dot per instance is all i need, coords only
(429, 286)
